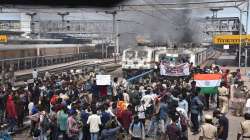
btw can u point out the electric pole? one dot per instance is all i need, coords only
(63, 18)
(32, 24)
(114, 32)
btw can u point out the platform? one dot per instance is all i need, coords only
(66, 66)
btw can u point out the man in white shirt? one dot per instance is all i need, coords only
(147, 99)
(141, 112)
(183, 103)
(115, 85)
(125, 96)
(34, 74)
(94, 122)
(30, 107)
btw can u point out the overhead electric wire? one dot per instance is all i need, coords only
(148, 14)
(162, 13)
(169, 20)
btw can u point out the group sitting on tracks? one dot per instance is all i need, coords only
(71, 106)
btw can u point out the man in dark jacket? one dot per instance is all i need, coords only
(173, 130)
(3, 98)
(223, 125)
(111, 130)
(95, 92)
(196, 109)
(84, 118)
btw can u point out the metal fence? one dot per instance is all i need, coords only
(40, 61)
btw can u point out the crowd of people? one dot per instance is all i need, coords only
(71, 106)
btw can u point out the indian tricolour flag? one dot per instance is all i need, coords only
(208, 82)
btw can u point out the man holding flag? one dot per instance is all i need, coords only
(208, 83)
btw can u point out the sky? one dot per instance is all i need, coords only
(229, 12)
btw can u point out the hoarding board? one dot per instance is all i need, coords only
(231, 39)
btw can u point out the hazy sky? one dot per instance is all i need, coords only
(127, 15)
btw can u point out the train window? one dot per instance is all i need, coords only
(130, 54)
(142, 54)
(172, 59)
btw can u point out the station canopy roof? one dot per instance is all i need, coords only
(67, 3)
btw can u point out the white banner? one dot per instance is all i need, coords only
(102, 80)
(174, 70)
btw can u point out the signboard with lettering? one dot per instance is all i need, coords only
(231, 39)
(3, 38)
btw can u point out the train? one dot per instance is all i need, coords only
(10, 51)
(196, 56)
(144, 58)
(26, 56)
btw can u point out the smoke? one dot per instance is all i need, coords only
(178, 26)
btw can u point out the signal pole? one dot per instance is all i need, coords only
(63, 17)
(114, 32)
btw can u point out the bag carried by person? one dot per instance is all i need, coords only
(36, 133)
(149, 111)
(34, 117)
(45, 124)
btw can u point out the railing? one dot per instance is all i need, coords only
(136, 77)
(75, 26)
(40, 61)
(228, 28)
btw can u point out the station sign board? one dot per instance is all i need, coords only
(231, 39)
(3, 38)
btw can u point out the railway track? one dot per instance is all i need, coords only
(78, 65)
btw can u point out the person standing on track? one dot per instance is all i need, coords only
(72, 128)
(137, 130)
(11, 112)
(223, 98)
(208, 130)
(115, 86)
(174, 129)
(35, 74)
(245, 127)
(94, 122)
(196, 107)
(223, 125)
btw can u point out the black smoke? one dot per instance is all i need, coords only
(172, 26)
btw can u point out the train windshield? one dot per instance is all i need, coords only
(174, 60)
(142, 54)
(168, 59)
(130, 54)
